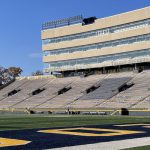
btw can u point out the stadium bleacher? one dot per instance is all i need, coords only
(99, 91)
(132, 96)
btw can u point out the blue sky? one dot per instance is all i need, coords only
(21, 20)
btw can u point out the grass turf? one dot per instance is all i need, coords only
(13, 122)
(16, 122)
(139, 148)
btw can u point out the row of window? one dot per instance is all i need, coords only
(99, 59)
(99, 32)
(113, 43)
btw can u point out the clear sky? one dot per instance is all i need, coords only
(21, 20)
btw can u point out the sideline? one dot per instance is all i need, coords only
(112, 145)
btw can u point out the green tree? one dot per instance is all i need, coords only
(15, 71)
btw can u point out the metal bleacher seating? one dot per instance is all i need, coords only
(51, 89)
(132, 96)
(78, 87)
(108, 88)
(106, 95)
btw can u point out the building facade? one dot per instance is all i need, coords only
(115, 41)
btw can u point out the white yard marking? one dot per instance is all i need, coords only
(113, 145)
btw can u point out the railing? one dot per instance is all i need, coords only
(62, 22)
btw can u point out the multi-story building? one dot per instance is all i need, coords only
(115, 42)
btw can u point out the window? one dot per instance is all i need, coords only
(99, 32)
(99, 46)
(100, 59)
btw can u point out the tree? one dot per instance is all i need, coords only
(37, 73)
(15, 71)
(5, 76)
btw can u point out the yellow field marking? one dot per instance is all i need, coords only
(128, 125)
(111, 132)
(4, 142)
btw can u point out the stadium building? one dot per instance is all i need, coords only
(102, 65)
(111, 44)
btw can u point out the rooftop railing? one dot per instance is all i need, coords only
(62, 22)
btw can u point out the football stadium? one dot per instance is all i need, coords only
(95, 91)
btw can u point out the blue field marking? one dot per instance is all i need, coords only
(72, 136)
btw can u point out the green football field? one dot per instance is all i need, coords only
(19, 121)
(140, 148)
(13, 122)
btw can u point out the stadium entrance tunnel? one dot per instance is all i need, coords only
(124, 111)
(125, 86)
(64, 90)
(13, 92)
(37, 91)
(92, 88)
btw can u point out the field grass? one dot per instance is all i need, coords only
(20, 121)
(13, 122)
(139, 148)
